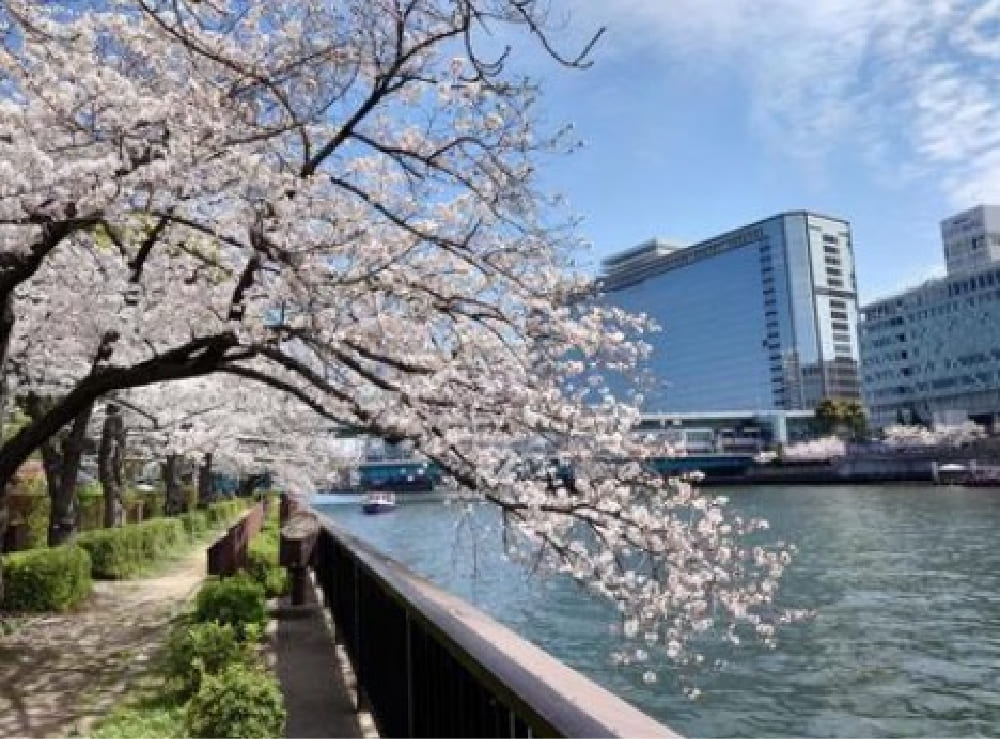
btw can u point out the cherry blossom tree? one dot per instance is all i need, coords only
(337, 201)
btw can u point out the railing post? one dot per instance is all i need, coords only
(410, 728)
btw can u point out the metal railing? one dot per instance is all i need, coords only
(429, 664)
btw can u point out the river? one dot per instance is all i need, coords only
(905, 580)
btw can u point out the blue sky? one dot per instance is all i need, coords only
(702, 115)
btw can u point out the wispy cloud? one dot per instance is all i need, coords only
(913, 84)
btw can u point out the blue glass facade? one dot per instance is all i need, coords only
(761, 317)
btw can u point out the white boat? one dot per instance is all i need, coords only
(380, 502)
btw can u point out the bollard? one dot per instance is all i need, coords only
(298, 538)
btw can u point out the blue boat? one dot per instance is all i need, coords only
(375, 503)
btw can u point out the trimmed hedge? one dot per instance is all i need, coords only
(31, 507)
(53, 579)
(153, 502)
(123, 552)
(195, 522)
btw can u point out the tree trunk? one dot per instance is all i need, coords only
(247, 485)
(205, 481)
(175, 503)
(6, 329)
(61, 461)
(111, 465)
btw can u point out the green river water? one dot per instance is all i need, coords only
(905, 580)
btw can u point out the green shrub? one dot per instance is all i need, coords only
(142, 722)
(153, 502)
(190, 497)
(195, 523)
(196, 650)
(239, 601)
(114, 552)
(123, 552)
(29, 505)
(262, 563)
(45, 579)
(223, 512)
(239, 702)
(90, 513)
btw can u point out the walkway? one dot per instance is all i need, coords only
(318, 694)
(58, 672)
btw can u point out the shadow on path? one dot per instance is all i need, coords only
(59, 670)
(317, 698)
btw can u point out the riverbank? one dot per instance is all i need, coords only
(857, 470)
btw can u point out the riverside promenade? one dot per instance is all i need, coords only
(60, 673)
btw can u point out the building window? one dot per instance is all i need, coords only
(828, 239)
(833, 282)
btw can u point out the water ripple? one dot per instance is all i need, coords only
(906, 643)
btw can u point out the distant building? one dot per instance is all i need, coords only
(932, 353)
(971, 239)
(763, 317)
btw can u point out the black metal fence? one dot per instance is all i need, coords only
(430, 665)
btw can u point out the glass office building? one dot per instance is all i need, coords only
(931, 354)
(762, 317)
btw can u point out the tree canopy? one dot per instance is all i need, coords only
(336, 203)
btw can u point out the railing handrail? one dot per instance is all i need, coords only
(561, 697)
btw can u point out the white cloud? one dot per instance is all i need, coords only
(914, 83)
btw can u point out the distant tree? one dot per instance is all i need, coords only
(841, 417)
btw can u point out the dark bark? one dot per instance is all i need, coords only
(205, 492)
(6, 328)
(196, 358)
(111, 465)
(175, 502)
(61, 455)
(247, 484)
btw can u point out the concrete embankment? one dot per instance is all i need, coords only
(873, 469)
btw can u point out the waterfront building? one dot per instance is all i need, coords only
(763, 317)
(707, 432)
(931, 354)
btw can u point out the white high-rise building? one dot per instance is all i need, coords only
(971, 239)
(931, 354)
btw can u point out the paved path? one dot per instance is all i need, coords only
(318, 696)
(60, 671)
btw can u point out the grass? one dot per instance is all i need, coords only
(10, 623)
(169, 558)
(150, 715)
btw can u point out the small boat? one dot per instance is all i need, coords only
(378, 503)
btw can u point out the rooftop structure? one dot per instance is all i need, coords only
(971, 239)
